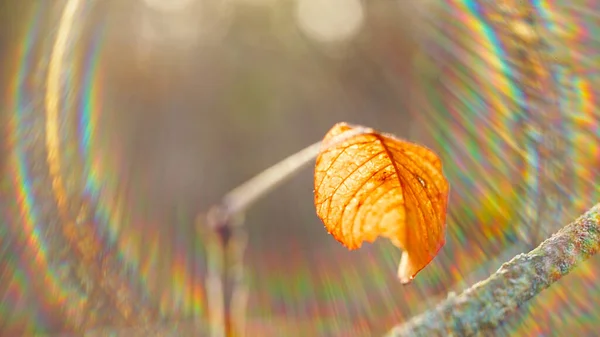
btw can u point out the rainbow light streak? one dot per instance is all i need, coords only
(488, 116)
(137, 252)
(579, 32)
(481, 98)
(91, 103)
(28, 229)
(318, 299)
(109, 210)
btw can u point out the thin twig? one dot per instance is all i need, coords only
(226, 238)
(226, 287)
(485, 305)
(240, 198)
(237, 282)
(215, 253)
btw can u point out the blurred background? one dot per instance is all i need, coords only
(124, 120)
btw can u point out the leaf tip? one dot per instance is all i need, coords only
(404, 270)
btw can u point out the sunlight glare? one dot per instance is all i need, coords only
(329, 20)
(167, 5)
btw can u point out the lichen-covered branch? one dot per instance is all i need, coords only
(485, 305)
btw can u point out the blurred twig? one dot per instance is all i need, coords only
(485, 305)
(225, 239)
(240, 198)
(225, 287)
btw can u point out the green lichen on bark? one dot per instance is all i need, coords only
(487, 304)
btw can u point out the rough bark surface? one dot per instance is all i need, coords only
(485, 305)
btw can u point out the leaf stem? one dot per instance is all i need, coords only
(240, 198)
(226, 240)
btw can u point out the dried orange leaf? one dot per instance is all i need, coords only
(370, 184)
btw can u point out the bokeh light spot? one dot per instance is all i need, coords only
(329, 20)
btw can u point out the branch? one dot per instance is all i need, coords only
(485, 305)
(226, 239)
(240, 198)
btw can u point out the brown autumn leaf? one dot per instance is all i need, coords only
(370, 184)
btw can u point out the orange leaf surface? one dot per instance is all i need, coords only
(370, 184)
